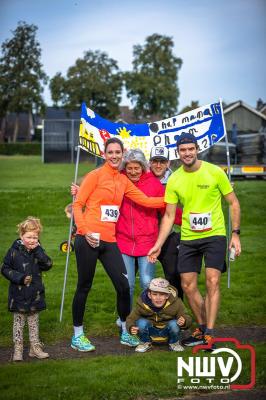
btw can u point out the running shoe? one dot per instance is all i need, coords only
(197, 337)
(81, 343)
(207, 339)
(129, 340)
(143, 347)
(176, 346)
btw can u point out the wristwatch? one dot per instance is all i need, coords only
(237, 231)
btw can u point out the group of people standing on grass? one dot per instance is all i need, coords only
(125, 212)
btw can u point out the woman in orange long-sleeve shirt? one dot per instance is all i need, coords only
(96, 210)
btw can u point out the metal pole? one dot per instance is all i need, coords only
(69, 241)
(72, 141)
(229, 177)
(43, 140)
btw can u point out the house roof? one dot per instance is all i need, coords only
(240, 103)
(127, 116)
(263, 109)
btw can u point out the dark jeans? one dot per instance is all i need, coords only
(169, 260)
(147, 331)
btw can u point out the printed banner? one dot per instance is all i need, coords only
(205, 123)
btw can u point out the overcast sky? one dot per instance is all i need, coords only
(222, 42)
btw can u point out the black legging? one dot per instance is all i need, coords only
(112, 261)
(169, 259)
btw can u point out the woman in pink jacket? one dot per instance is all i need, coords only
(137, 227)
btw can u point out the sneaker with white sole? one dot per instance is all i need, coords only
(81, 343)
(176, 346)
(196, 338)
(129, 340)
(143, 347)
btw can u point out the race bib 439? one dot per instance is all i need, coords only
(109, 213)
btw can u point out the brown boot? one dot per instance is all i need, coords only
(37, 351)
(18, 351)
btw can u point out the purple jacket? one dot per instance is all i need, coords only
(137, 227)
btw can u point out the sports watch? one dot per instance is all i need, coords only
(237, 231)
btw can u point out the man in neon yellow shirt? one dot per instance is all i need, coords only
(199, 186)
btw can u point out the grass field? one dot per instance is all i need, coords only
(29, 187)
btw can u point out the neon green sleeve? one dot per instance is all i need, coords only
(171, 195)
(224, 184)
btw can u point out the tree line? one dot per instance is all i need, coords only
(151, 85)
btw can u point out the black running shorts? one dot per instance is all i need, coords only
(192, 252)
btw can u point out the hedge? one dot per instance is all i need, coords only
(20, 148)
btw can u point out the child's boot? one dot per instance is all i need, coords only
(18, 327)
(36, 347)
(37, 351)
(18, 351)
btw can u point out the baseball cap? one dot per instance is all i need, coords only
(159, 152)
(186, 138)
(159, 285)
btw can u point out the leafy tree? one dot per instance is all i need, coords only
(21, 74)
(57, 87)
(3, 108)
(152, 85)
(95, 79)
(193, 105)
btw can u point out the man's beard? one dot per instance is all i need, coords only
(192, 162)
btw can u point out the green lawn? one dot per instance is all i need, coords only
(140, 376)
(29, 187)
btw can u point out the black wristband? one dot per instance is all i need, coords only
(236, 231)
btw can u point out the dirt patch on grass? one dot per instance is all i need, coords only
(108, 345)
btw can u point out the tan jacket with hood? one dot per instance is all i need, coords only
(173, 309)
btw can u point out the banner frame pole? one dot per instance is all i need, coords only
(69, 241)
(229, 177)
(43, 122)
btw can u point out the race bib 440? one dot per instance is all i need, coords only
(200, 222)
(109, 213)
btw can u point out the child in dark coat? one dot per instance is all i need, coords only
(23, 266)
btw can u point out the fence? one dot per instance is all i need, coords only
(60, 141)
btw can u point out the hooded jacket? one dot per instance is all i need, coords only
(173, 309)
(137, 227)
(19, 263)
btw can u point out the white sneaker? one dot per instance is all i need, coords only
(176, 346)
(143, 347)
